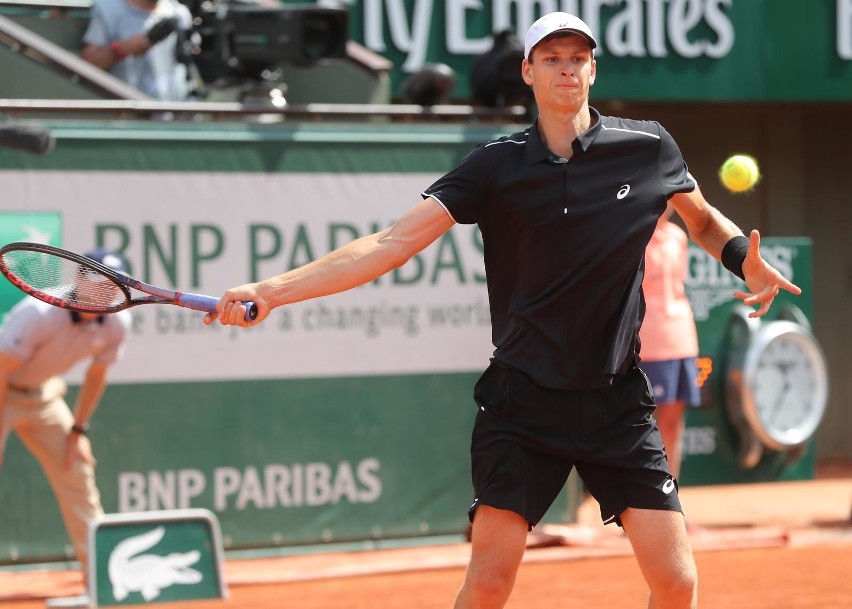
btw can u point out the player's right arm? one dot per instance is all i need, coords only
(356, 263)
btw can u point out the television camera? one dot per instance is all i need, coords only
(247, 44)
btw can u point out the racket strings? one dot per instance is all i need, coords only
(65, 279)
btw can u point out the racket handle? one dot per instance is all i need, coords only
(200, 302)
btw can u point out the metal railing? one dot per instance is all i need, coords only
(233, 110)
(49, 4)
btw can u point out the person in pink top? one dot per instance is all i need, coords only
(669, 340)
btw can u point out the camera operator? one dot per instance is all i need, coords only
(138, 42)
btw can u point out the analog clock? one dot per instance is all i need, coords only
(777, 386)
(785, 385)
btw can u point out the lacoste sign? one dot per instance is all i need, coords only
(150, 557)
(133, 568)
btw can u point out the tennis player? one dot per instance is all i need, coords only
(38, 344)
(566, 209)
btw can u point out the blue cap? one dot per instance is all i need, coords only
(107, 258)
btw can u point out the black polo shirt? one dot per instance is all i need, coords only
(565, 242)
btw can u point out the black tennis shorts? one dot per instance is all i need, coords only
(527, 438)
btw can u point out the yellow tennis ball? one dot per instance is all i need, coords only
(739, 173)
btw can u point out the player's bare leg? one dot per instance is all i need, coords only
(661, 546)
(497, 547)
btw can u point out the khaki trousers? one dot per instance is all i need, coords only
(43, 420)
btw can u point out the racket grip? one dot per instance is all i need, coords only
(200, 302)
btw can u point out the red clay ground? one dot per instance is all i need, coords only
(813, 577)
(804, 578)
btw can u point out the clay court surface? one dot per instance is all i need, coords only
(759, 546)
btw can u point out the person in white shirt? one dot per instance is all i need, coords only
(39, 343)
(137, 41)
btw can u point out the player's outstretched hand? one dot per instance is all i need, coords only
(230, 310)
(763, 280)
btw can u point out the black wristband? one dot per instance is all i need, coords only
(734, 253)
(80, 429)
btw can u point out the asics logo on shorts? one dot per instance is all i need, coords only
(622, 192)
(669, 486)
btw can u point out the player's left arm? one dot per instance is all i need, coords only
(91, 390)
(712, 231)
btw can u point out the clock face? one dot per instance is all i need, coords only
(786, 385)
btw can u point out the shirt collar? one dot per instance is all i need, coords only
(591, 133)
(536, 150)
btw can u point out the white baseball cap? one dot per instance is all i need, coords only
(556, 22)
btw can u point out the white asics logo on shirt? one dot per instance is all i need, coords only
(669, 486)
(622, 192)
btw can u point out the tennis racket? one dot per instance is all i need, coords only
(71, 281)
